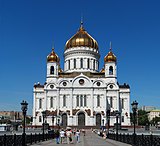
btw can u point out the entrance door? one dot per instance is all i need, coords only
(98, 120)
(81, 119)
(64, 120)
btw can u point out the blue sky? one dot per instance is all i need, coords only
(28, 29)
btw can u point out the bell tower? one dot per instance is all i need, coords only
(110, 64)
(52, 65)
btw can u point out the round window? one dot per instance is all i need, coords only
(98, 83)
(81, 81)
(51, 86)
(64, 83)
(111, 86)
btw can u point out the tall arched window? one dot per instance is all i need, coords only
(77, 100)
(69, 64)
(85, 100)
(81, 63)
(81, 100)
(94, 64)
(40, 119)
(52, 70)
(122, 103)
(64, 100)
(98, 100)
(88, 63)
(40, 103)
(111, 101)
(51, 102)
(97, 65)
(111, 70)
(74, 63)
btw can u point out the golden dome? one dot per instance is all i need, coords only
(102, 70)
(110, 57)
(53, 57)
(81, 38)
(59, 69)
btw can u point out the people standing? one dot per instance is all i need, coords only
(77, 136)
(62, 135)
(57, 134)
(83, 131)
(69, 136)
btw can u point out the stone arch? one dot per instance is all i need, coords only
(64, 119)
(81, 119)
(98, 119)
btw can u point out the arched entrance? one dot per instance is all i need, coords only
(98, 120)
(64, 119)
(81, 119)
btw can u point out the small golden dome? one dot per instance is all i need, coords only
(110, 57)
(59, 69)
(102, 70)
(81, 38)
(53, 57)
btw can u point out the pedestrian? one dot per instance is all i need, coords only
(83, 131)
(69, 136)
(74, 131)
(62, 135)
(77, 136)
(57, 134)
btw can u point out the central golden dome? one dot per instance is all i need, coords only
(81, 38)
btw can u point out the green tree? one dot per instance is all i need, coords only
(143, 117)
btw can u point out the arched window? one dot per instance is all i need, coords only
(69, 64)
(77, 100)
(74, 63)
(81, 100)
(51, 102)
(81, 63)
(98, 100)
(94, 64)
(122, 118)
(111, 70)
(40, 119)
(88, 63)
(97, 65)
(111, 101)
(122, 103)
(85, 100)
(40, 103)
(52, 70)
(64, 100)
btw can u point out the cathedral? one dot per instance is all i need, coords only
(81, 94)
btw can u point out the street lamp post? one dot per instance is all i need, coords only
(24, 105)
(134, 109)
(43, 115)
(117, 113)
(108, 118)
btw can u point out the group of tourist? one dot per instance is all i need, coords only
(67, 135)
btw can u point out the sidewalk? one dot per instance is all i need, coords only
(91, 139)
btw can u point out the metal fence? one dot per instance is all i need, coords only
(138, 140)
(16, 140)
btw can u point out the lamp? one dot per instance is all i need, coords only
(134, 109)
(43, 115)
(117, 113)
(24, 108)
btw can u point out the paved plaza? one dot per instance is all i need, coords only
(90, 139)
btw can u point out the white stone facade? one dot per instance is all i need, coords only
(152, 114)
(81, 94)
